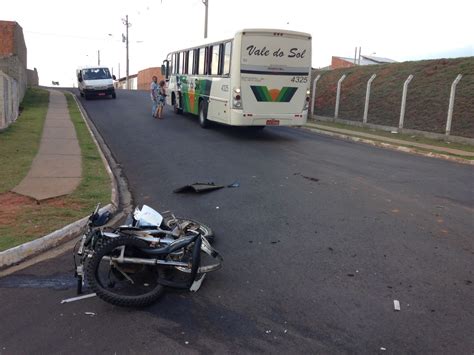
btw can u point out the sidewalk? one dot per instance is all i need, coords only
(397, 142)
(56, 170)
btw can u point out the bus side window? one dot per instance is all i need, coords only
(215, 59)
(221, 59)
(196, 61)
(191, 62)
(177, 64)
(207, 67)
(186, 62)
(181, 62)
(202, 62)
(227, 50)
(172, 63)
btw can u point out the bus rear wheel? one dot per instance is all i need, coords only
(203, 121)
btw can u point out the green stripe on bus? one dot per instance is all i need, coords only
(262, 94)
(281, 95)
(266, 93)
(288, 95)
(258, 93)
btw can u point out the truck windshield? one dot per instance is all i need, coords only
(96, 73)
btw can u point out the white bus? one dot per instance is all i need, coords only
(260, 77)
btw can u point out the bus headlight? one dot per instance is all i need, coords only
(236, 99)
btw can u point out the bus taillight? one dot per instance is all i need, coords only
(306, 103)
(237, 99)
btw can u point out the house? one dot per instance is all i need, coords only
(344, 62)
(145, 77)
(142, 80)
(121, 83)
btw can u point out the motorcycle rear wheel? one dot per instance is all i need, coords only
(123, 284)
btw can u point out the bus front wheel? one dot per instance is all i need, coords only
(176, 103)
(203, 121)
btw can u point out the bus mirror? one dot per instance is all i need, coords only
(165, 69)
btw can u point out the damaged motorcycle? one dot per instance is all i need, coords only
(130, 265)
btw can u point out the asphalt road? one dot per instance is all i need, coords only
(318, 241)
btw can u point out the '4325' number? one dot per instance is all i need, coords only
(299, 79)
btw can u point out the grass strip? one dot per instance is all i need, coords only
(32, 219)
(19, 143)
(400, 136)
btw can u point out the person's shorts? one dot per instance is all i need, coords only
(161, 101)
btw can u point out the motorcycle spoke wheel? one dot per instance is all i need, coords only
(120, 283)
(204, 230)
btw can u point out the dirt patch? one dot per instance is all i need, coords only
(11, 205)
(61, 202)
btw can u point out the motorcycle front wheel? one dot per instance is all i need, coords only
(123, 284)
(204, 230)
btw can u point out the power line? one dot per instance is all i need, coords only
(71, 36)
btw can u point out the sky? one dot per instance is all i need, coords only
(63, 35)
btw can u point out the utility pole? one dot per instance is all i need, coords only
(206, 4)
(125, 39)
(98, 57)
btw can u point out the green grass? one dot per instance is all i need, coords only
(401, 136)
(20, 141)
(36, 220)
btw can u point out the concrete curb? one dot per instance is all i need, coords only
(24, 251)
(121, 198)
(389, 146)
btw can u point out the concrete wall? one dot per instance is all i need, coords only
(13, 73)
(33, 79)
(13, 67)
(133, 82)
(145, 76)
(9, 100)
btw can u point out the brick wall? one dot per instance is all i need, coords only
(13, 54)
(338, 63)
(145, 77)
(12, 41)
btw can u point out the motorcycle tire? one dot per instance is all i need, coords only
(107, 291)
(79, 285)
(205, 230)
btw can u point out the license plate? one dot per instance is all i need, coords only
(101, 94)
(273, 122)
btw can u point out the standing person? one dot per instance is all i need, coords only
(161, 98)
(154, 94)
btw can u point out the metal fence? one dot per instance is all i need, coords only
(449, 117)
